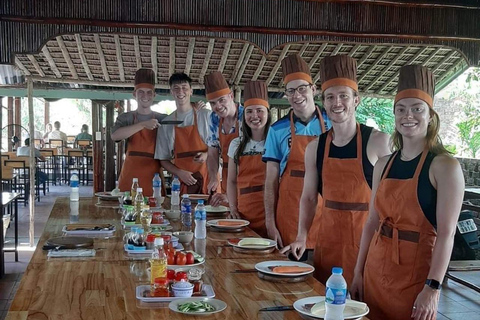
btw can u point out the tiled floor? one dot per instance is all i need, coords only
(456, 301)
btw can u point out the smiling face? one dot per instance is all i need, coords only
(301, 99)
(412, 117)
(181, 92)
(340, 102)
(224, 106)
(256, 116)
(144, 97)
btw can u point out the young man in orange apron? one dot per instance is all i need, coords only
(182, 148)
(285, 151)
(225, 126)
(339, 166)
(246, 176)
(417, 195)
(139, 127)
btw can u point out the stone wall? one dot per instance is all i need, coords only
(471, 171)
(450, 114)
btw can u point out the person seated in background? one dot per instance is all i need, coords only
(57, 134)
(48, 130)
(83, 135)
(25, 152)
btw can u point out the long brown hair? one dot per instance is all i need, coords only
(432, 141)
(247, 134)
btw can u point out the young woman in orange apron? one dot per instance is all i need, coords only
(291, 186)
(224, 140)
(139, 162)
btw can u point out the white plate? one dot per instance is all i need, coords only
(263, 267)
(254, 247)
(125, 247)
(218, 209)
(353, 309)
(152, 225)
(185, 266)
(107, 195)
(219, 305)
(242, 223)
(207, 291)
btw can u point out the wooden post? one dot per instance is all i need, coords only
(46, 112)
(97, 147)
(18, 120)
(129, 106)
(109, 148)
(10, 121)
(2, 256)
(120, 145)
(238, 94)
(31, 232)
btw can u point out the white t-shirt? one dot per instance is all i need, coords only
(252, 147)
(57, 134)
(166, 133)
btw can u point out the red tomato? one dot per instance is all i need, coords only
(170, 258)
(181, 276)
(170, 274)
(190, 258)
(181, 259)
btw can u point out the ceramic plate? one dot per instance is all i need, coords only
(353, 309)
(152, 225)
(264, 268)
(141, 291)
(186, 266)
(219, 209)
(219, 305)
(239, 244)
(107, 195)
(195, 197)
(241, 223)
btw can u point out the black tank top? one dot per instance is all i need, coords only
(348, 151)
(426, 193)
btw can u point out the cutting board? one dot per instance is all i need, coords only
(70, 242)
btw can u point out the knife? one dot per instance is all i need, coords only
(171, 122)
(277, 308)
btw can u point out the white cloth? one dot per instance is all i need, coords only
(25, 152)
(166, 133)
(252, 147)
(57, 134)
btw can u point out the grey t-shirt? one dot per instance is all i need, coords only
(126, 119)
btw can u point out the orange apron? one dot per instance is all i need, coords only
(188, 143)
(400, 253)
(346, 195)
(225, 140)
(290, 191)
(139, 161)
(250, 183)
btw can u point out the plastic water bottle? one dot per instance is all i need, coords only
(158, 263)
(200, 221)
(74, 196)
(74, 211)
(335, 295)
(138, 203)
(175, 193)
(135, 186)
(157, 187)
(186, 213)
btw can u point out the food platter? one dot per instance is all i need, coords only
(266, 267)
(217, 210)
(143, 291)
(107, 195)
(353, 309)
(219, 305)
(252, 243)
(228, 223)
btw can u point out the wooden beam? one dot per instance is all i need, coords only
(365, 56)
(277, 64)
(66, 56)
(430, 57)
(22, 66)
(31, 129)
(244, 64)
(380, 58)
(239, 62)
(452, 70)
(444, 60)
(36, 65)
(303, 48)
(211, 44)
(337, 49)
(103, 63)
(259, 68)
(109, 147)
(391, 63)
(354, 50)
(18, 119)
(171, 66)
(317, 55)
(10, 121)
(46, 112)
(153, 56)
(138, 58)
(188, 63)
(51, 62)
(78, 39)
(226, 50)
(98, 172)
(118, 50)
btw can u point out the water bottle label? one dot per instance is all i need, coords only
(204, 215)
(175, 187)
(198, 215)
(186, 208)
(74, 183)
(156, 184)
(335, 296)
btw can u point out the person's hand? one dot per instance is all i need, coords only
(274, 234)
(201, 157)
(199, 105)
(150, 124)
(213, 185)
(426, 304)
(218, 199)
(356, 288)
(234, 214)
(297, 248)
(187, 178)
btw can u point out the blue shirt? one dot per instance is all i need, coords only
(213, 137)
(277, 146)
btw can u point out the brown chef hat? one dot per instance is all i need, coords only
(215, 85)
(416, 81)
(255, 93)
(295, 68)
(340, 70)
(145, 78)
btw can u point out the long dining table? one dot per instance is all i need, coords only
(103, 286)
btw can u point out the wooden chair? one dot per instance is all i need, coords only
(70, 141)
(89, 160)
(76, 162)
(22, 183)
(50, 165)
(38, 143)
(5, 157)
(84, 143)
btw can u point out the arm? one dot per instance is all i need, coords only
(128, 131)
(447, 177)
(308, 201)
(371, 225)
(212, 165)
(232, 188)
(271, 196)
(378, 146)
(185, 176)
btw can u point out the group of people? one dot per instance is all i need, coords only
(316, 179)
(60, 135)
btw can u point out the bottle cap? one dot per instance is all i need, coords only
(158, 241)
(337, 270)
(135, 180)
(200, 201)
(185, 196)
(139, 189)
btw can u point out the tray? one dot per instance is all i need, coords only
(107, 196)
(70, 242)
(207, 292)
(253, 251)
(89, 233)
(236, 243)
(152, 225)
(263, 267)
(353, 309)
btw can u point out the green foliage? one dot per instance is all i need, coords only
(470, 132)
(451, 148)
(379, 110)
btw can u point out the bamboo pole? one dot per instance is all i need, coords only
(32, 161)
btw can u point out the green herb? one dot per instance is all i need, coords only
(196, 306)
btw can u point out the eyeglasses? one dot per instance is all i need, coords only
(301, 90)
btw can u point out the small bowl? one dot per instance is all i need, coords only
(182, 289)
(172, 214)
(184, 236)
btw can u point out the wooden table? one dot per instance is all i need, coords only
(103, 287)
(8, 199)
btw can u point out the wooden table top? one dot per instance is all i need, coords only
(8, 197)
(103, 287)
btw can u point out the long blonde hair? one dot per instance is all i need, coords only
(432, 140)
